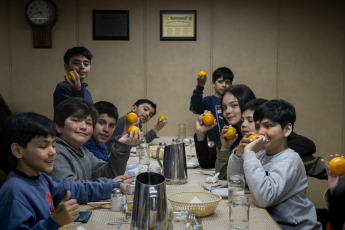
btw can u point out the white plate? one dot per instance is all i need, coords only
(192, 164)
(223, 192)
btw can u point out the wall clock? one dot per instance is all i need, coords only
(41, 16)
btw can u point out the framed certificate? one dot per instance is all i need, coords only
(110, 24)
(178, 25)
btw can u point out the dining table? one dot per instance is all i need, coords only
(259, 218)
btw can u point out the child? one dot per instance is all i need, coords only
(275, 173)
(104, 129)
(75, 119)
(30, 199)
(77, 59)
(221, 79)
(145, 109)
(302, 145)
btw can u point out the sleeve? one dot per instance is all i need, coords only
(117, 132)
(206, 156)
(269, 188)
(314, 167)
(118, 157)
(196, 103)
(150, 136)
(235, 165)
(64, 91)
(302, 145)
(17, 216)
(221, 164)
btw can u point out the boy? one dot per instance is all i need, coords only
(77, 59)
(75, 119)
(275, 173)
(145, 109)
(221, 79)
(30, 199)
(104, 128)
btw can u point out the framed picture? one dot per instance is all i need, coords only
(178, 25)
(110, 24)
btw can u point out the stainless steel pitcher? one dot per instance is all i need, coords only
(174, 166)
(150, 203)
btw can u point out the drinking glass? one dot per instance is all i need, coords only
(235, 183)
(181, 134)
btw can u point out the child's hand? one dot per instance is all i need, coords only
(243, 143)
(332, 180)
(226, 143)
(202, 129)
(159, 125)
(123, 179)
(201, 81)
(75, 82)
(256, 145)
(133, 139)
(67, 210)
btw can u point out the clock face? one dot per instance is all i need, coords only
(40, 12)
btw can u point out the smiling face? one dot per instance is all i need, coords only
(39, 155)
(276, 136)
(104, 128)
(80, 64)
(231, 110)
(76, 131)
(144, 111)
(248, 124)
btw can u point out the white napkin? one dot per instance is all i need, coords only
(212, 179)
(195, 200)
(81, 228)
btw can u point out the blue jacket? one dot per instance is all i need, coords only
(64, 91)
(28, 202)
(198, 105)
(100, 152)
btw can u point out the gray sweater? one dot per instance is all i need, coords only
(82, 166)
(278, 183)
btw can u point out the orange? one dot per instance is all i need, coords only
(208, 119)
(161, 118)
(337, 166)
(202, 74)
(253, 136)
(231, 133)
(132, 129)
(71, 74)
(131, 118)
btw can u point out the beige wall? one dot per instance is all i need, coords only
(282, 49)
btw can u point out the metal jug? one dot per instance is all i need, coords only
(174, 166)
(150, 203)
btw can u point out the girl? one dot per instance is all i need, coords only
(232, 101)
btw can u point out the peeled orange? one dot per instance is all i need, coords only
(132, 129)
(337, 166)
(202, 74)
(208, 119)
(71, 74)
(231, 133)
(131, 118)
(161, 118)
(253, 136)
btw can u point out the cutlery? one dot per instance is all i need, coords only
(124, 222)
(118, 227)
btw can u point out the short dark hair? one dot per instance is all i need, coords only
(143, 101)
(76, 51)
(107, 108)
(223, 72)
(278, 111)
(74, 106)
(254, 103)
(21, 128)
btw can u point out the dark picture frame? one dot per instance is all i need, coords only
(110, 24)
(178, 25)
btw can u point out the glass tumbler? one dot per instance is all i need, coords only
(235, 183)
